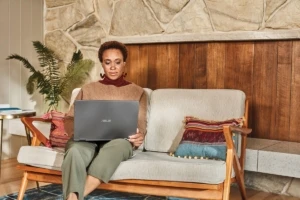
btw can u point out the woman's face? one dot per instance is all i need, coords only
(113, 63)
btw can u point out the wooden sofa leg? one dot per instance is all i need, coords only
(241, 185)
(23, 186)
(239, 175)
(227, 182)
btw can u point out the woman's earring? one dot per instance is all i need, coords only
(124, 74)
(102, 75)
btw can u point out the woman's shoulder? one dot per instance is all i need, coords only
(136, 87)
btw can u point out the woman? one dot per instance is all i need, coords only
(88, 164)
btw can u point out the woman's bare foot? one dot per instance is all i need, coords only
(72, 196)
(91, 184)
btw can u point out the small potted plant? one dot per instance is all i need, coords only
(55, 84)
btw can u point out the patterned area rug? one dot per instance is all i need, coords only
(54, 192)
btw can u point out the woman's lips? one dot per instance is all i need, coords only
(113, 74)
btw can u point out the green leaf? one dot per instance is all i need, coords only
(76, 77)
(50, 82)
(23, 60)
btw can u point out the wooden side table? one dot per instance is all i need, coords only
(14, 115)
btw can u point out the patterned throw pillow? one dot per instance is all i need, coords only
(58, 137)
(205, 139)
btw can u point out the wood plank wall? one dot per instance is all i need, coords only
(267, 71)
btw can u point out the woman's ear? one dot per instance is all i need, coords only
(124, 70)
(124, 66)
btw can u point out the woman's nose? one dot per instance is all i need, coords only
(112, 66)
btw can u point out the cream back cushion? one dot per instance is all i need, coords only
(73, 96)
(168, 107)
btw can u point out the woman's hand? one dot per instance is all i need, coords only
(136, 139)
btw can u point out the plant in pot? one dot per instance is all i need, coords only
(51, 81)
(54, 83)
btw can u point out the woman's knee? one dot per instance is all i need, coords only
(72, 149)
(71, 155)
(118, 147)
(80, 151)
(120, 144)
(81, 146)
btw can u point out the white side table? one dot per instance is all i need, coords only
(14, 115)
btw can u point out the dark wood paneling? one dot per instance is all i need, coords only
(143, 66)
(186, 65)
(264, 89)
(283, 93)
(238, 66)
(215, 65)
(132, 64)
(238, 69)
(152, 67)
(267, 71)
(295, 94)
(200, 77)
(162, 65)
(173, 66)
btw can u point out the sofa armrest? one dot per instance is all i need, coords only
(232, 157)
(242, 131)
(37, 136)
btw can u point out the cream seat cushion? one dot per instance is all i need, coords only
(144, 165)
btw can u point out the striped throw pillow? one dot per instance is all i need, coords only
(205, 138)
(58, 136)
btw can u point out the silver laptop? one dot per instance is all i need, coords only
(104, 120)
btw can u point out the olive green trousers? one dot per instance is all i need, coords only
(99, 160)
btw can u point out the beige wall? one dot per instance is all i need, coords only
(21, 22)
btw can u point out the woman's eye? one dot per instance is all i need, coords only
(107, 63)
(118, 63)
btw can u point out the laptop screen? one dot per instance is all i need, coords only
(104, 120)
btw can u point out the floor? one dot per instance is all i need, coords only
(11, 180)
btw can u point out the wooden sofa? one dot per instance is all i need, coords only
(196, 190)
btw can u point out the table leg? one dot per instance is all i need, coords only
(1, 137)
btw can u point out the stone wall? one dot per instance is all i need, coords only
(84, 24)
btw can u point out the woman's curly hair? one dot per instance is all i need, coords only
(112, 45)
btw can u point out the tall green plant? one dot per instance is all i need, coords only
(51, 81)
